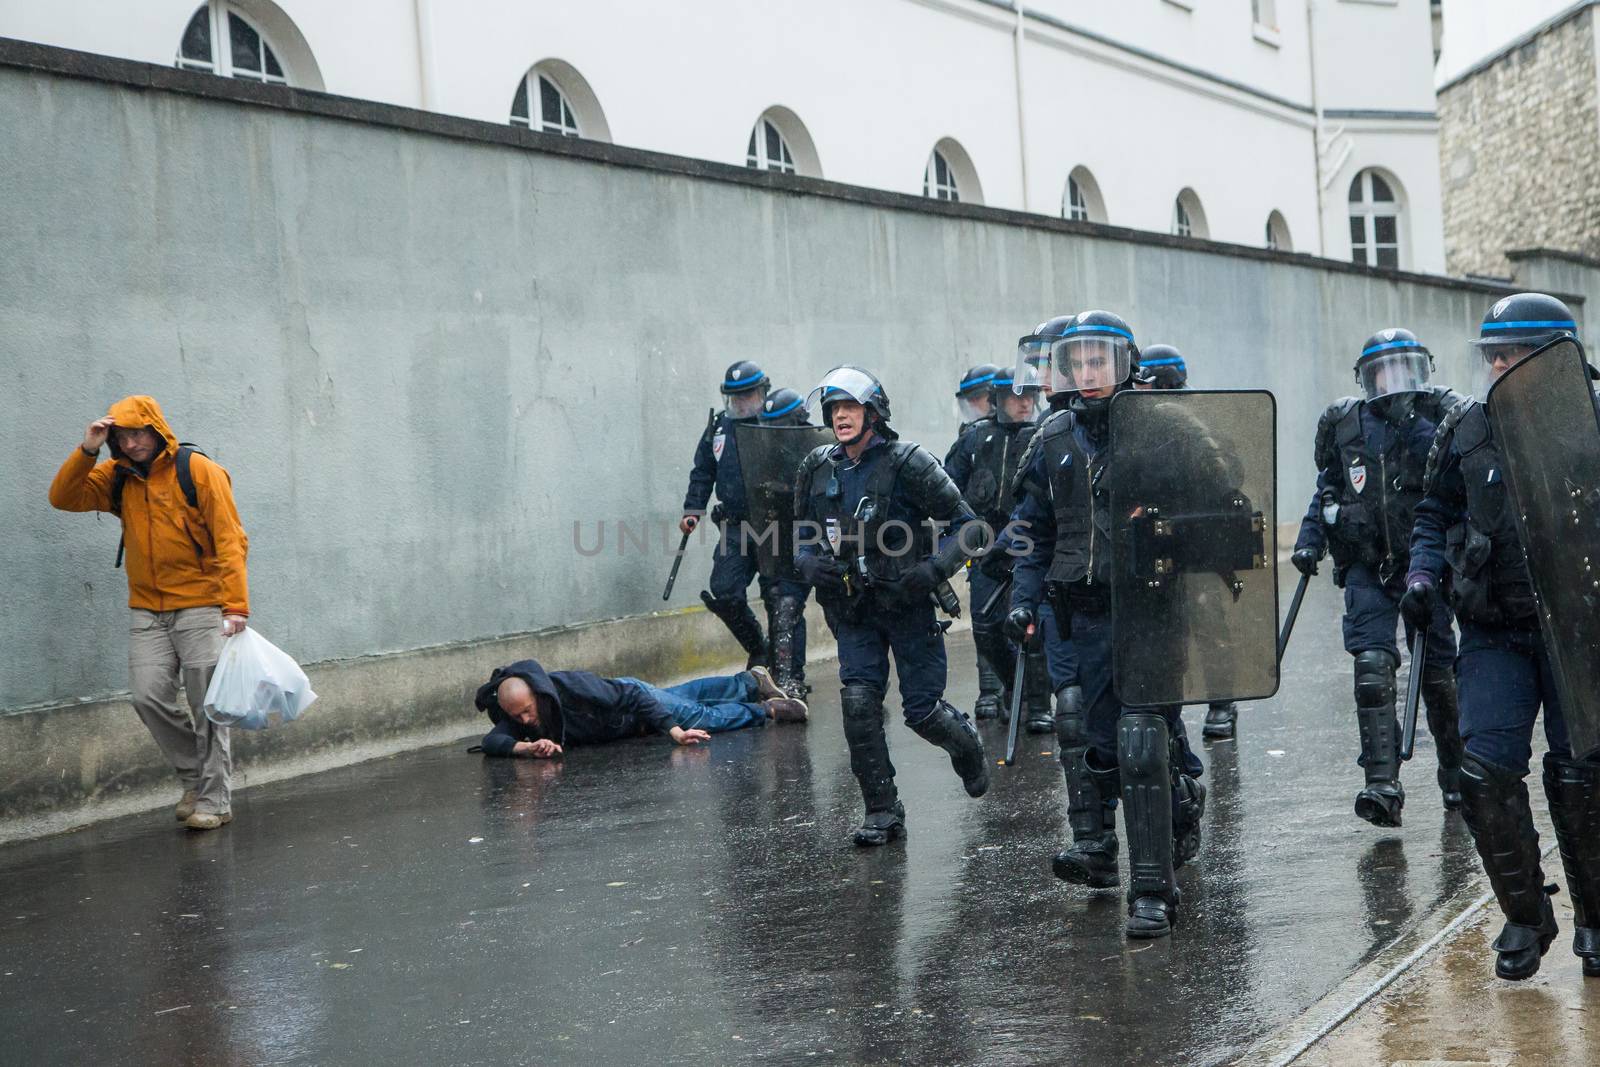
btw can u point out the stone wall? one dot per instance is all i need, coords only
(1519, 145)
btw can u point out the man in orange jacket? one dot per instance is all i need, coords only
(186, 585)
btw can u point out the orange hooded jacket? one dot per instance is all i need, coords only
(177, 556)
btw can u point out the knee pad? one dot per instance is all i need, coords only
(1143, 745)
(1070, 730)
(1375, 670)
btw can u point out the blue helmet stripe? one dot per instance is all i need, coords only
(1543, 324)
(974, 383)
(748, 383)
(1096, 327)
(1170, 361)
(779, 414)
(1392, 344)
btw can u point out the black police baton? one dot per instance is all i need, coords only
(1016, 698)
(672, 578)
(1419, 660)
(994, 598)
(1294, 610)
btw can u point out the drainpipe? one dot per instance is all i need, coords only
(1022, 131)
(1316, 130)
(422, 10)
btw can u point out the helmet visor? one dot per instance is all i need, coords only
(1094, 363)
(1499, 355)
(841, 382)
(745, 405)
(1033, 359)
(973, 406)
(1393, 372)
(1018, 407)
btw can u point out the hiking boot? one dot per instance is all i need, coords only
(207, 820)
(785, 709)
(185, 806)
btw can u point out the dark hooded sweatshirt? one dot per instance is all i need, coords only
(575, 708)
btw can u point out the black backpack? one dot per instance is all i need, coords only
(185, 482)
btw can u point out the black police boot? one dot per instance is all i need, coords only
(1220, 718)
(952, 731)
(1380, 802)
(1439, 697)
(783, 619)
(741, 622)
(1494, 804)
(1573, 787)
(992, 656)
(1188, 807)
(1037, 698)
(1091, 859)
(1143, 747)
(869, 760)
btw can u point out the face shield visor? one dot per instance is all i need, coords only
(840, 382)
(1012, 406)
(1089, 364)
(746, 404)
(974, 405)
(1389, 373)
(1500, 354)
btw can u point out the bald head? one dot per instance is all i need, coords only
(518, 701)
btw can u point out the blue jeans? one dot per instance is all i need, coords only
(1371, 610)
(725, 702)
(1502, 678)
(1091, 638)
(919, 658)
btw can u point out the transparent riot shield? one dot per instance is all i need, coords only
(1542, 412)
(769, 458)
(1191, 480)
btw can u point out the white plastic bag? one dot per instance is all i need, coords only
(255, 681)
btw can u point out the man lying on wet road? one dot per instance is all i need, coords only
(537, 713)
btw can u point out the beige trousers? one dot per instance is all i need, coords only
(164, 646)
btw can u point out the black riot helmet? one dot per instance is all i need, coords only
(1008, 409)
(852, 383)
(1092, 350)
(745, 385)
(1161, 367)
(1517, 325)
(973, 399)
(1393, 361)
(784, 407)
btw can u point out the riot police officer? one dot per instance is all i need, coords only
(874, 561)
(716, 466)
(1061, 583)
(785, 597)
(983, 464)
(1371, 452)
(1466, 541)
(1163, 367)
(975, 396)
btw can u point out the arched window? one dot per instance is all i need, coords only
(1277, 234)
(1188, 217)
(552, 97)
(1374, 220)
(1080, 201)
(220, 40)
(950, 175)
(768, 150)
(539, 104)
(939, 178)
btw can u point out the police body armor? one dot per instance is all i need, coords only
(873, 545)
(1368, 517)
(1079, 560)
(1489, 580)
(995, 462)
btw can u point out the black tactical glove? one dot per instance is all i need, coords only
(1305, 560)
(1018, 623)
(996, 564)
(1418, 602)
(914, 585)
(823, 573)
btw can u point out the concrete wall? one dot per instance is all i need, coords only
(427, 348)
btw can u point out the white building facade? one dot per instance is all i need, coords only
(1305, 125)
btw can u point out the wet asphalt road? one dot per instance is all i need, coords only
(641, 904)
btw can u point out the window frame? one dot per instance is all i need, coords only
(1075, 204)
(1181, 225)
(1368, 210)
(218, 14)
(531, 91)
(757, 155)
(949, 190)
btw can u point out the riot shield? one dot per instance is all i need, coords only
(769, 457)
(1542, 412)
(1191, 480)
